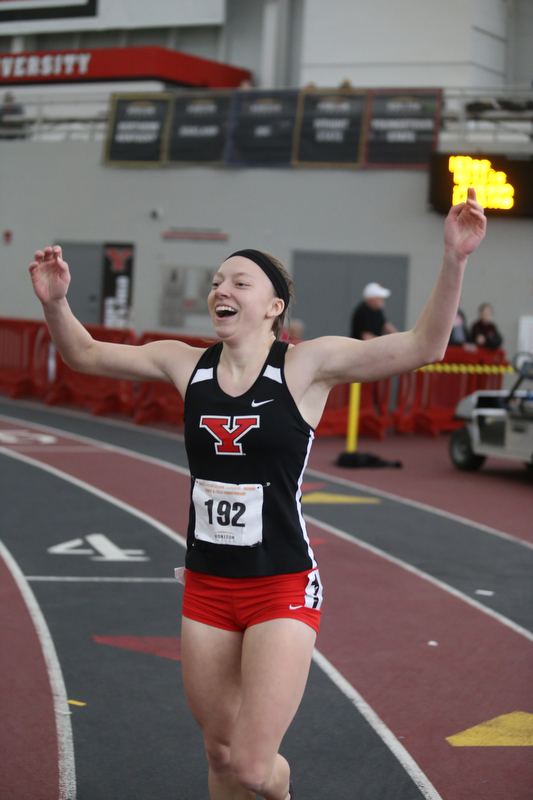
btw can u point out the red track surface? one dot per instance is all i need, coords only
(500, 495)
(28, 735)
(377, 623)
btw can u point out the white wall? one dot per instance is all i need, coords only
(242, 35)
(408, 43)
(521, 62)
(62, 192)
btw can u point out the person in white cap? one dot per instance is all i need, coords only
(368, 320)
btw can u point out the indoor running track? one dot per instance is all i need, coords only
(409, 653)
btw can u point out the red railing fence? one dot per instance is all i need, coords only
(23, 357)
(425, 400)
(101, 395)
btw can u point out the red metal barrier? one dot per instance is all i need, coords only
(23, 357)
(427, 400)
(374, 413)
(425, 404)
(162, 401)
(101, 395)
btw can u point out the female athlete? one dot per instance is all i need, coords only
(252, 588)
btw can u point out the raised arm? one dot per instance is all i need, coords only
(159, 361)
(334, 359)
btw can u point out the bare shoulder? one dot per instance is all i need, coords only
(176, 359)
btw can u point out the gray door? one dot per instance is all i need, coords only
(329, 286)
(85, 261)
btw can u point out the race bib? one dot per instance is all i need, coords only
(228, 513)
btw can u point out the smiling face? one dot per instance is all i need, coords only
(242, 298)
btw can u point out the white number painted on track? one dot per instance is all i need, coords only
(23, 436)
(101, 544)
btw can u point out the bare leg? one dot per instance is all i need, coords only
(244, 690)
(276, 657)
(211, 661)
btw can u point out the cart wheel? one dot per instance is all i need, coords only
(461, 451)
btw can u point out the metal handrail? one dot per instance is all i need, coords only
(475, 119)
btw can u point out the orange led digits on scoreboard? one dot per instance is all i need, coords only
(492, 189)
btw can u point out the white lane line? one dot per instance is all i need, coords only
(98, 493)
(88, 417)
(82, 579)
(408, 763)
(316, 473)
(112, 448)
(424, 575)
(325, 476)
(397, 749)
(65, 743)
(331, 529)
(422, 506)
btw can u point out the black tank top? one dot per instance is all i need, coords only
(247, 457)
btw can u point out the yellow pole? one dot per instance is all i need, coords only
(353, 417)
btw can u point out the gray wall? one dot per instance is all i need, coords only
(60, 191)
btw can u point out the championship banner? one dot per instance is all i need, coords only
(117, 285)
(329, 128)
(402, 127)
(137, 129)
(262, 131)
(199, 127)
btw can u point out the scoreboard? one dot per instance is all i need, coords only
(503, 184)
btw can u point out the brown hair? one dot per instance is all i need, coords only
(279, 321)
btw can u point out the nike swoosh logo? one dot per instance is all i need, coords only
(261, 403)
(293, 608)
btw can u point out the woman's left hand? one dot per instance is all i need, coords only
(465, 226)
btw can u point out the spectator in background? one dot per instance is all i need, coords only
(368, 320)
(460, 336)
(296, 330)
(484, 332)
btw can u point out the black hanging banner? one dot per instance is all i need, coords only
(263, 128)
(199, 127)
(402, 127)
(137, 129)
(329, 128)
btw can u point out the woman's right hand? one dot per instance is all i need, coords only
(49, 274)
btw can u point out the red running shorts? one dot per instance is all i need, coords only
(236, 603)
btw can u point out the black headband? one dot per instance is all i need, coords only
(271, 271)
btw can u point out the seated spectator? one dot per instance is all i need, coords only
(459, 336)
(484, 332)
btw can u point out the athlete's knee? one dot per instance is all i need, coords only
(251, 773)
(218, 755)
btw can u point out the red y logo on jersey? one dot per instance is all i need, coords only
(228, 431)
